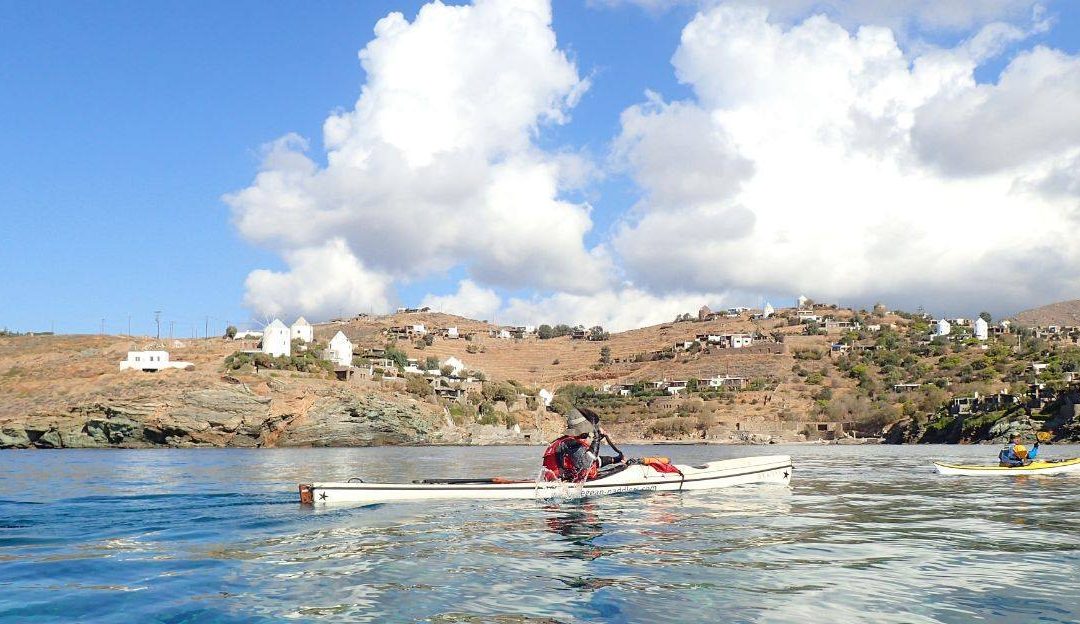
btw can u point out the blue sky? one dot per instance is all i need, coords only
(125, 123)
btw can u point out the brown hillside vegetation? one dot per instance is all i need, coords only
(837, 374)
(553, 363)
(1063, 313)
(68, 391)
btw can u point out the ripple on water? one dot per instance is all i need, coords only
(864, 534)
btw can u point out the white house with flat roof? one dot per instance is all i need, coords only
(276, 339)
(302, 330)
(340, 351)
(982, 329)
(151, 361)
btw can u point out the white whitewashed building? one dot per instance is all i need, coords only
(456, 365)
(302, 330)
(151, 361)
(276, 339)
(942, 328)
(341, 350)
(982, 329)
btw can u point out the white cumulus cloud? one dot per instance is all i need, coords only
(844, 168)
(322, 281)
(436, 166)
(471, 301)
(616, 309)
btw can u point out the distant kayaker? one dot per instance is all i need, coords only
(575, 455)
(1016, 454)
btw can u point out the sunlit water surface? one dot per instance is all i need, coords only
(865, 534)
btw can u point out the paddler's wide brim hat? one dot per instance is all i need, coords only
(577, 424)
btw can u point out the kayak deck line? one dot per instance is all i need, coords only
(525, 485)
(775, 469)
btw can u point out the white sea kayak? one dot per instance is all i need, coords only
(1038, 467)
(774, 469)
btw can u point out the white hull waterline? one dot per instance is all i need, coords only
(1063, 466)
(774, 469)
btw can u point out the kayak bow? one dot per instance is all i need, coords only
(634, 478)
(1042, 467)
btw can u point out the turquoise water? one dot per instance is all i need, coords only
(865, 534)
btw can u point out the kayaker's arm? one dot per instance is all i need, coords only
(607, 461)
(604, 436)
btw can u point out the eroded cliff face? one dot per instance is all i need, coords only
(229, 416)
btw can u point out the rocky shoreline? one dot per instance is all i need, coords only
(282, 414)
(240, 418)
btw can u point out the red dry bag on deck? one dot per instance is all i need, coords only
(660, 464)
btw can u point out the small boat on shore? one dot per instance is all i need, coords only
(774, 469)
(1038, 467)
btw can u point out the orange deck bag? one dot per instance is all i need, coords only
(659, 464)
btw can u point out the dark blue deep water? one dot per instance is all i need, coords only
(865, 534)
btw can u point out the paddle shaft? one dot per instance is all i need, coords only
(607, 438)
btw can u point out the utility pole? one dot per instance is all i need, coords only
(172, 324)
(102, 327)
(157, 320)
(129, 325)
(206, 330)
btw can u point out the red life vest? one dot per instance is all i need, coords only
(559, 462)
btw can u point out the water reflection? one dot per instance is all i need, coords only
(863, 534)
(578, 523)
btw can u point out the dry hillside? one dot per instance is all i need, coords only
(1063, 313)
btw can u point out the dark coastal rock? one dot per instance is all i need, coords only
(344, 419)
(229, 416)
(230, 410)
(14, 437)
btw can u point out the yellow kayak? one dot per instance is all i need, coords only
(1059, 466)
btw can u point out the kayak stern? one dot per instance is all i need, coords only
(307, 494)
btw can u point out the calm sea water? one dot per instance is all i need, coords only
(865, 534)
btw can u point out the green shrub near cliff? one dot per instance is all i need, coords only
(306, 362)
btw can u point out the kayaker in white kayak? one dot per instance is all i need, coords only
(575, 455)
(1016, 454)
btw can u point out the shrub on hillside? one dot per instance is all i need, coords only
(679, 426)
(416, 384)
(306, 362)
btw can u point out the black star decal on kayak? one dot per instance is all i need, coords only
(322, 495)
(786, 473)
